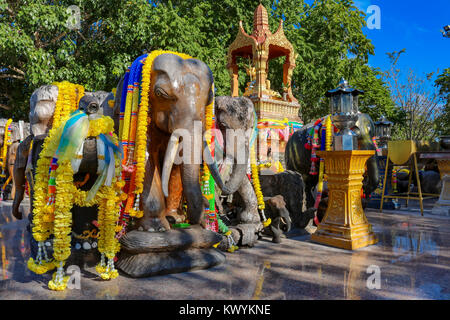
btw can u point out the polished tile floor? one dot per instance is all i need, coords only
(410, 261)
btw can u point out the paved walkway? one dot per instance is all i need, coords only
(412, 257)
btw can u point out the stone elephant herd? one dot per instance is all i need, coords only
(181, 88)
(180, 91)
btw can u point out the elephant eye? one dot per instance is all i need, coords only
(159, 92)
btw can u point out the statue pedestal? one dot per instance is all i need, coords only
(146, 254)
(442, 206)
(345, 225)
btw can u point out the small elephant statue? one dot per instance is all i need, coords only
(277, 212)
(236, 120)
(236, 115)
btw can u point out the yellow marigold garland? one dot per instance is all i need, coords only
(6, 143)
(328, 141)
(69, 95)
(257, 186)
(137, 181)
(59, 219)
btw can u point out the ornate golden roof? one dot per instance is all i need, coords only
(262, 46)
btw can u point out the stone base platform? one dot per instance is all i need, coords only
(145, 254)
(441, 208)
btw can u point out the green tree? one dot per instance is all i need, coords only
(37, 47)
(443, 83)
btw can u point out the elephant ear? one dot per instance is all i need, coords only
(210, 95)
(250, 112)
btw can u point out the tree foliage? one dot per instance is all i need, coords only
(418, 103)
(443, 83)
(37, 47)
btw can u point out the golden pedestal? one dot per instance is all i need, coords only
(345, 225)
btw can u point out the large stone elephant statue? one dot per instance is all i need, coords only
(42, 107)
(84, 218)
(180, 91)
(298, 158)
(19, 131)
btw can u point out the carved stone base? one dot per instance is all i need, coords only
(345, 225)
(158, 263)
(145, 254)
(441, 208)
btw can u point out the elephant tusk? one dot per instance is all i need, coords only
(169, 159)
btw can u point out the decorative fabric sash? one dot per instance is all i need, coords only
(70, 147)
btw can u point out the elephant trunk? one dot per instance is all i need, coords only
(190, 174)
(285, 219)
(212, 166)
(239, 172)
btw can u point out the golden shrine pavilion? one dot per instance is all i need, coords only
(274, 110)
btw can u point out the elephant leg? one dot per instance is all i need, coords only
(250, 213)
(373, 176)
(153, 201)
(276, 231)
(19, 191)
(175, 195)
(310, 184)
(13, 190)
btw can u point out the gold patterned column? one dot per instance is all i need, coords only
(345, 225)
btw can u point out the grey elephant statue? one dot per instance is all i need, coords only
(236, 120)
(281, 221)
(298, 157)
(19, 131)
(42, 107)
(180, 93)
(84, 218)
(289, 184)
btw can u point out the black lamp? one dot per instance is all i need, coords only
(344, 114)
(383, 131)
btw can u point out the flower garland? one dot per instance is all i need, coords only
(136, 128)
(69, 95)
(7, 141)
(257, 186)
(394, 180)
(315, 145)
(374, 141)
(279, 167)
(56, 194)
(325, 145)
(207, 180)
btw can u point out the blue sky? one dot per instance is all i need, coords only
(414, 25)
